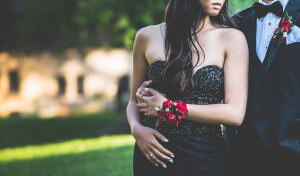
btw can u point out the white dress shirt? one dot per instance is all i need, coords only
(265, 28)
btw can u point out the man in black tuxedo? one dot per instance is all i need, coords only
(267, 143)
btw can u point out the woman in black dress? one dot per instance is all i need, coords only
(194, 58)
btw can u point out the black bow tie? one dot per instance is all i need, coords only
(261, 10)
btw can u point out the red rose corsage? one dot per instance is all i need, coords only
(285, 27)
(171, 112)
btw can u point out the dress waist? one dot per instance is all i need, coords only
(185, 127)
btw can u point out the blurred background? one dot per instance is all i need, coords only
(64, 84)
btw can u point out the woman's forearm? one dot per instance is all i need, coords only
(132, 112)
(217, 113)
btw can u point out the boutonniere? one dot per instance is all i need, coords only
(285, 27)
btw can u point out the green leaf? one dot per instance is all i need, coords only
(286, 15)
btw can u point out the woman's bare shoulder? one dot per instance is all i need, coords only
(232, 35)
(151, 31)
(235, 43)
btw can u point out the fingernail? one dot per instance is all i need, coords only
(172, 156)
(156, 165)
(166, 140)
(171, 161)
(165, 166)
(146, 89)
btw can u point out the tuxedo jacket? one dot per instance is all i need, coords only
(274, 86)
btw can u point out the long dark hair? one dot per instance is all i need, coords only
(182, 20)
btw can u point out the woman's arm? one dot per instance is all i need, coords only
(137, 77)
(233, 110)
(236, 65)
(145, 137)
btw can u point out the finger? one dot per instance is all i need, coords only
(143, 86)
(161, 156)
(140, 97)
(144, 98)
(158, 161)
(164, 151)
(147, 83)
(138, 91)
(160, 147)
(141, 105)
(151, 90)
(145, 93)
(150, 158)
(160, 136)
(143, 110)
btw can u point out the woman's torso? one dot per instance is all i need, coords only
(196, 146)
(208, 79)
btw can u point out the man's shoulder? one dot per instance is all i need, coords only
(238, 17)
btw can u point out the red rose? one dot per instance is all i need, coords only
(167, 104)
(175, 103)
(286, 25)
(170, 118)
(163, 113)
(181, 107)
(181, 117)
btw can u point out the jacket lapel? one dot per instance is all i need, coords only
(250, 31)
(293, 9)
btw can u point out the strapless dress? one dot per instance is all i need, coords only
(198, 147)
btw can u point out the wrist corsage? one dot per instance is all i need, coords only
(171, 112)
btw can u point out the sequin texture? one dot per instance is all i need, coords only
(208, 89)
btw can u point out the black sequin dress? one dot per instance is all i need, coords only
(198, 147)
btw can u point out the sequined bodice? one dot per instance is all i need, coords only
(208, 89)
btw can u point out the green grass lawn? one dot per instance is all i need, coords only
(72, 146)
(100, 156)
(26, 131)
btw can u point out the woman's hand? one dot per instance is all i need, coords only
(146, 139)
(147, 104)
(141, 90)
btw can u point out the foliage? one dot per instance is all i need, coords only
(116, 21)
(60, 24)
(238, 5)
(57, 24)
